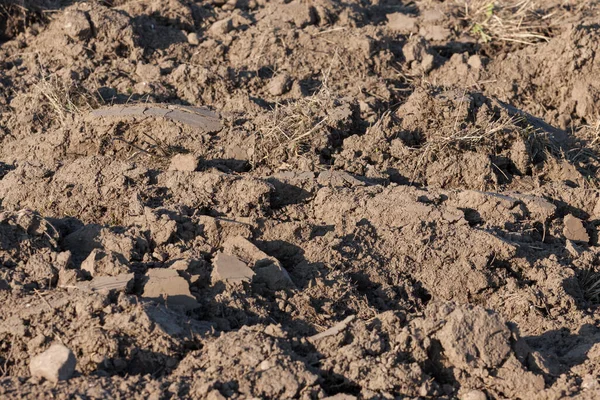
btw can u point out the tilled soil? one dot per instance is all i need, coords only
(337, 199)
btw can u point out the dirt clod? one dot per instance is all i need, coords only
(221, 27)
(193, 39)
(402, 23)
(280, 84)
(575, 230)
(488, 348)
(77, 25)
(230, 269)
(106, 284)
(166, 286)
(100, 263)
(301, 199)
(474, 395)
(184, 162)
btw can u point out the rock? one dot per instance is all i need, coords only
(148, 72)
(280, 84)
(105, 263)
(165, 285)
(475, 62)
(55, 364)
(575, 230)
(402, 23)
(184, 162)
(230, 269)
(340, 396)
(193, 39)
(222, 27)
(77, 25)
(104, 284)
(474, 395)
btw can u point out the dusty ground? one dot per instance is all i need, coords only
(426, 171)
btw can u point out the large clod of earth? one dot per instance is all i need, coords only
(326, 199)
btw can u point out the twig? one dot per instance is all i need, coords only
(43, 299)
(314, 128)
(329, 30)
(8, 357)
(334, 330)
(135, 147)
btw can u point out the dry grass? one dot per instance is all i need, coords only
(63, 99)
(485, 133)
(469, 138)
(586, 153)
(477, 135)
(12, 16)
(33, 222)
(589, 280)
(488, 135)
(290, 129)
(591, 134)
(17, 15)
(519, 21)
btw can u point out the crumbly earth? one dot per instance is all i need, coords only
(427, 167)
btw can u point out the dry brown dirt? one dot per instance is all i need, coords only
(312, 199)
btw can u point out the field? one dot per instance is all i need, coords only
(313, 199)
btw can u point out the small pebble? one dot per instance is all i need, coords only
(474, 395)
(55, 364)
(221, 27)
(184, 162)
(474, 61)
(193, 39)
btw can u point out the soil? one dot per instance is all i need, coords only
(338, 199)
